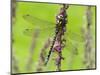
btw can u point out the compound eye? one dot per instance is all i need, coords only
(59, 16)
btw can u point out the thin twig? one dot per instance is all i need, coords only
(31, 52)
(43, 55)
(13, 10)
(15, 67)
(88, 40)
(14, 64)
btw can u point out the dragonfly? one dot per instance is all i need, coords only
(48, 28)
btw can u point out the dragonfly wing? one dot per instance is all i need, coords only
(43, 26)
(38, 22)
(75, 37)
(73, 41)
(72, 46)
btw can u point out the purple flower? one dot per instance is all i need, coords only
(58, 60)
(58, 48)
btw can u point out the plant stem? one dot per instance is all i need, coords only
(30, 58)
(43, 55)
(61, 30)
(15, 67)
(89, 60)
(13, 10)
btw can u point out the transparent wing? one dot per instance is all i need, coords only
(38, 22)
(73, 36)
(45, 27)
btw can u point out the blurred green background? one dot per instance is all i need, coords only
(43, 18)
